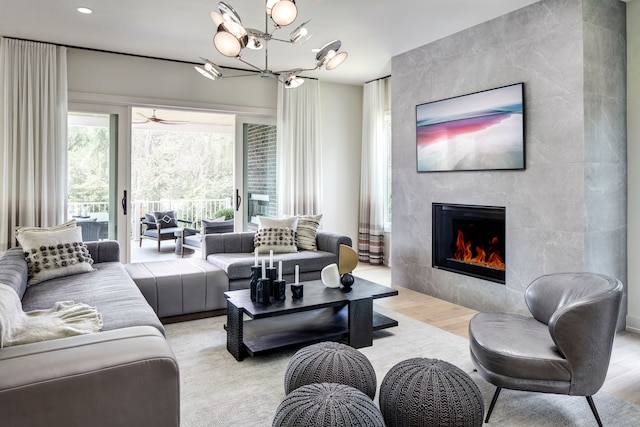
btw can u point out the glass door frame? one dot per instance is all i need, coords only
(123, 168)
(240, 156)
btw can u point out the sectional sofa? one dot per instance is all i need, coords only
(125, 375)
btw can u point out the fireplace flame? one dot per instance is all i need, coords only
(464, 253)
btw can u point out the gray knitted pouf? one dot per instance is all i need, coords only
(430, 392)
(327, 405)
(330, 362)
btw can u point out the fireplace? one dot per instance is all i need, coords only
(470, 240)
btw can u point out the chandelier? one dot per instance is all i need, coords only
(231, 38)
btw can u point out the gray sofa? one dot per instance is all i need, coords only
(122, 376)
(233, 253)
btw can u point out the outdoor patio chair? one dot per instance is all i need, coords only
(161, 226)
(192, 238)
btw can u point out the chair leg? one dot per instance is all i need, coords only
(493, 403)
(159, 240)
(594, 410)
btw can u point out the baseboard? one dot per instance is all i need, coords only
(192, 316)
(633, 324)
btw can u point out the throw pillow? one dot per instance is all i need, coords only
(266, 222)
(276, 239)
(150, 221)
(53, 252)
(306, 232)
(166, 219)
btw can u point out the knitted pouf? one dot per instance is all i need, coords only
(327, 405)
(330, 362)
(430, 392)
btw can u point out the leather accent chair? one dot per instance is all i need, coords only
(563, 348)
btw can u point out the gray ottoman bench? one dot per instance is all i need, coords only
(181, 286)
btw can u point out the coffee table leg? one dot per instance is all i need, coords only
(234, 331)
(361, 323)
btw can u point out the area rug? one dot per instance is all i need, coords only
(216, 390)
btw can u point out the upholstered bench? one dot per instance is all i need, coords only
(181, 286)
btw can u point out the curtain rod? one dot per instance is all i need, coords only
(135, 55)
(379, 78)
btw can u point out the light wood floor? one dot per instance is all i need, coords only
(623, 378)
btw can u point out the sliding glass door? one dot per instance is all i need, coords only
(97, 171)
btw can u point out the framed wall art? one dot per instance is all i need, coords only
(479, 131)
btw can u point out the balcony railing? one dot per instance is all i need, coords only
(187, 209)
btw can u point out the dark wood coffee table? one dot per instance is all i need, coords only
(323, 314)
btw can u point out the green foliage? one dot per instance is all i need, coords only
(226, 212)
(88, 160)
(173, 165)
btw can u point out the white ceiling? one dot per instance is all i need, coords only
(371, 31)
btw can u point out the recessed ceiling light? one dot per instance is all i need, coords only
(84, 10)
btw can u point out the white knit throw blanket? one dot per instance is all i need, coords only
(64, 319)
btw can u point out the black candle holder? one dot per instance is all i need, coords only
(297, 290)
(256, 274)
(263, 291)
(278, 290)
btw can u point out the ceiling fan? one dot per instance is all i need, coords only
(155, 119)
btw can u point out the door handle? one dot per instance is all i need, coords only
(238, 200)
(124, 202)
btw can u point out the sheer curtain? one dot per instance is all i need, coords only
(298, 150)
(373, 180)
(33, 129)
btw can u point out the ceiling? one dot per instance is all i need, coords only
(371, 31)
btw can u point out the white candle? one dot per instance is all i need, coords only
(264, 270)
(297, 273)
(256, 257)
(279, 270)
(271, 259)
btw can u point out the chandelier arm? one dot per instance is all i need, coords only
(258, 69)
(281, 40)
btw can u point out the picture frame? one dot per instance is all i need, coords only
(479, 131)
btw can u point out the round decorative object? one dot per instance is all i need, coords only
(347, 281)
(430, 392)
(327, 405)
(330, 362)
(330, 276)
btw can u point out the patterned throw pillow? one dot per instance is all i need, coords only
(166, 219)
(54, 251)
(306, 232)
(266, 222)
(276, 239)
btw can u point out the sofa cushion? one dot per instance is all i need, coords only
(238, 265)
(109, 288)
(54, 251)
(278, 240)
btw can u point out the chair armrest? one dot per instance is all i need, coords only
(185, 221)
(187, 231)
(87, 380)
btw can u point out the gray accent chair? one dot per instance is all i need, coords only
(161, 226)
(563, 348)
(192, 238)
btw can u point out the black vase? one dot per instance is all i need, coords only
(263, 291)
(256, 273)
(297, 290)
(277, 289)
(347, 280)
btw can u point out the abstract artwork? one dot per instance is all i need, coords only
(479, 131)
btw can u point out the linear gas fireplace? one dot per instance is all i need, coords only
(470, 240)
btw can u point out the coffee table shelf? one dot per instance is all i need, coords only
(309, 327)
(323, 314)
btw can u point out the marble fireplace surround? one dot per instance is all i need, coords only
(568, 207)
